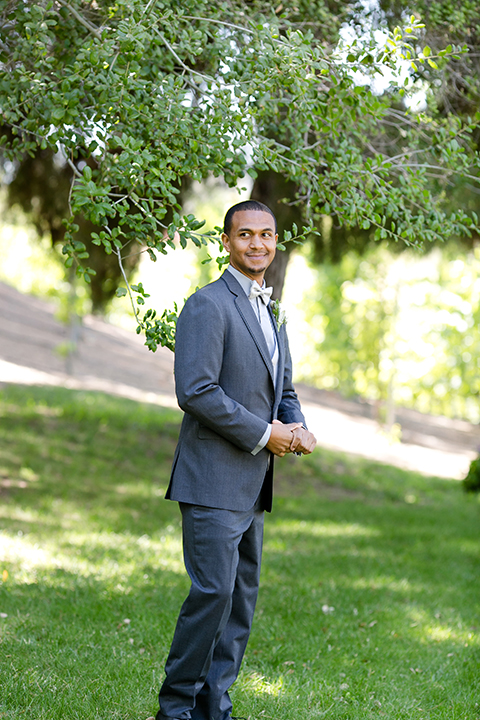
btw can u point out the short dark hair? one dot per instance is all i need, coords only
(245, 205)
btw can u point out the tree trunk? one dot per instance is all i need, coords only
(271, 188)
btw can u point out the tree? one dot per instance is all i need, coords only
(454, 89)
(451, 90)
(41, 187)
(137, 96)
(398, 331)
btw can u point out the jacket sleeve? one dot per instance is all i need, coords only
(199, 350)
(289, 409)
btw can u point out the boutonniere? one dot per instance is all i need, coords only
(278, 313)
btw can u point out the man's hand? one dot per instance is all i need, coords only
(281, 437)
(303, 441)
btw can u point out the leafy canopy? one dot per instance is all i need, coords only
(136, 96)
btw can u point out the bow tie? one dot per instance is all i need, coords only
(264, 293)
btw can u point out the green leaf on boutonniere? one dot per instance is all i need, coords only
(279, 313)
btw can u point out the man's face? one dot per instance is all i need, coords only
(251, 243)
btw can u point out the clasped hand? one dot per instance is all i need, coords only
(291, 437)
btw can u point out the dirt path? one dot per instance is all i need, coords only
(113, 360)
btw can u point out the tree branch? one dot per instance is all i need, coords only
(147, 9)
(91, 28)
(180, 62)
(122, 270)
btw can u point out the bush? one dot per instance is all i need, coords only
(472, 481)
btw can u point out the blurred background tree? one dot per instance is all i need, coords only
(398, 330)
(40, 186)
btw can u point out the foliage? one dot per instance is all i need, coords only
(41, 188)
(368, 601)
(455, 90)
(447, 89)
(471, 483)
(136, 97)
(403, 328)
(349, 313)
(450, 328)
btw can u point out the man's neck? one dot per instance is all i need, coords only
(258, 279)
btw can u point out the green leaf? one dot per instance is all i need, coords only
(58, 113)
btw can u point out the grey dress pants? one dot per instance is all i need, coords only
(222, 552)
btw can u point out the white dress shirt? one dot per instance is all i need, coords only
(264, 319)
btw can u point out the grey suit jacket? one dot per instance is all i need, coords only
(224, 384)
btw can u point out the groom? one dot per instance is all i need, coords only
(233, 377)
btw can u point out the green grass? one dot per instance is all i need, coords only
(370, 594)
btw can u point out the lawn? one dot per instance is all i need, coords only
(370, 594)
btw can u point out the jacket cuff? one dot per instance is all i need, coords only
(263, 440)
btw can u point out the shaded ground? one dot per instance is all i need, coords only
(106, 358)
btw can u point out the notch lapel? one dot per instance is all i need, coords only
(246, 312)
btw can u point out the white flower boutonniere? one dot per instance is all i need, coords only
(279, 313)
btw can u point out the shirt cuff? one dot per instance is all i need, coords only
(263, 440)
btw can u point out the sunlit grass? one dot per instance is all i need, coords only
(369, 602)
(91, 554)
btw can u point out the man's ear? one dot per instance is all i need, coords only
(226, 242)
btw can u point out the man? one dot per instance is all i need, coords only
(233, 380)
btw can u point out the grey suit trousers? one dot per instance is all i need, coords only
(222, 551)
